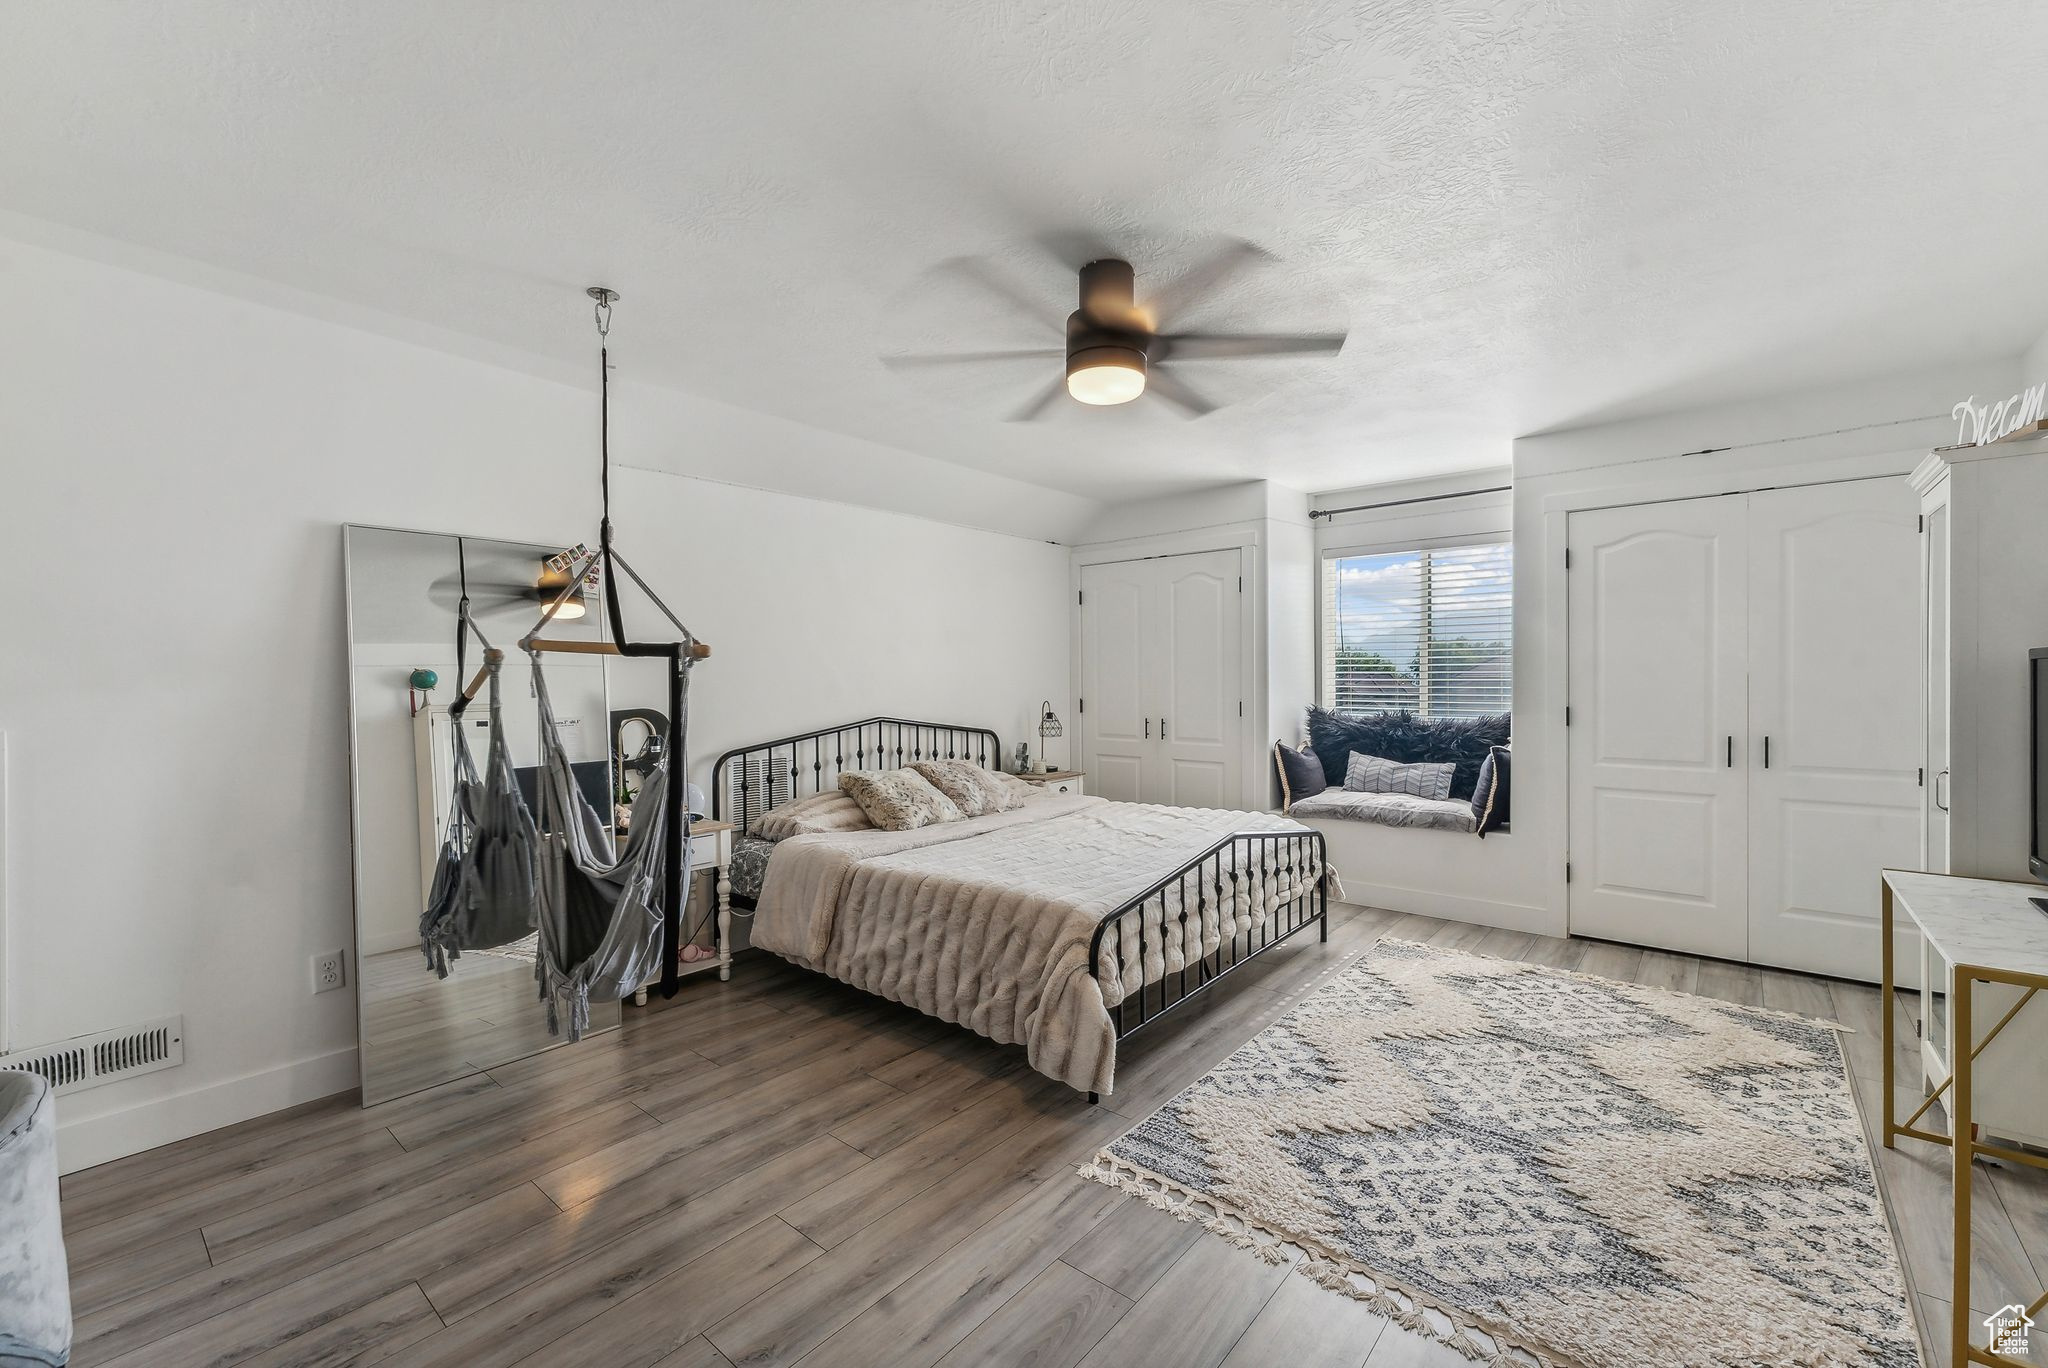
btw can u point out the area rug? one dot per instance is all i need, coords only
(1530, 1164)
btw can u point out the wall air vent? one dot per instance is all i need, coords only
(88, 1061)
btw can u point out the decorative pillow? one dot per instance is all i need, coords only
(1464, 741)
(1301, 774)
(899, 799)
(1490, 798)
(974, 790)
(1373, 774)
(809, 816)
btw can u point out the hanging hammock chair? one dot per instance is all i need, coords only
(606, 917)
(483, 893)
(602, 929)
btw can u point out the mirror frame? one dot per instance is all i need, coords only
(355, 794)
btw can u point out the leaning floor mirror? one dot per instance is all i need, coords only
(415, 1028)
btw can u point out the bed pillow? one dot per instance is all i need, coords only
(1301, 774)
(974, 790)
(1490, 798)
(1375, 774)
(820, 812)
(899, 799)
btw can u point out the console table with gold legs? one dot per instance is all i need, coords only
(1989, 945)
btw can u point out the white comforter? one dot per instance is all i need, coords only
(987, 922)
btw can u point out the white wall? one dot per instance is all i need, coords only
(1290, 582)
(819, 613)
(1226, 506)
(177, 464)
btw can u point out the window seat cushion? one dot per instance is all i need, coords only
(1389, 809)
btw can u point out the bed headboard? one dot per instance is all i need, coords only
(752, 779)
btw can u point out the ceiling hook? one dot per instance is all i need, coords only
(605, 299)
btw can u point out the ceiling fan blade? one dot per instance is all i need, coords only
(1230, 346)
(1036, 407)
(483, 598)
(1205, 275)
(996, 283)
(1169, 388)
(958, 358)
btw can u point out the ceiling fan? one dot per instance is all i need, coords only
(1115, 349)
(497, 584)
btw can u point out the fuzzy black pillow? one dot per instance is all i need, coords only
(1464, 741)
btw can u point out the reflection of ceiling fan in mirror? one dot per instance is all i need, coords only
(498, 585)
(1116, 348)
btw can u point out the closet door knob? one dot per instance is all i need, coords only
(1148, 729)
(1731, 752)
(1162, 729)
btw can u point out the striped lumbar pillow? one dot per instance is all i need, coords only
(1375, 774)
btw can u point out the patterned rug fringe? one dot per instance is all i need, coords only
(1404, 1306)
(1824, 1023)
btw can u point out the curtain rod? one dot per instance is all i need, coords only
(1315, 513)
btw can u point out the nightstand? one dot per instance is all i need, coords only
(1059, 781)
(710, 848)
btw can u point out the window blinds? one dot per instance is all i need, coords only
(1427, 631)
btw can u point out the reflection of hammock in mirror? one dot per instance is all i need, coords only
(483, 894)
(605, 917)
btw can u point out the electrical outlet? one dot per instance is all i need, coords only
(328, 974)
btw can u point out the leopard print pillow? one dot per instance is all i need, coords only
(976, 791)
(809, 816)
(899, 799)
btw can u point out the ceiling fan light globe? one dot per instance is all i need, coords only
(1106, 375)
(570, 610)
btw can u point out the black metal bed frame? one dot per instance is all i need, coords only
(750, 780)
(1216, 874)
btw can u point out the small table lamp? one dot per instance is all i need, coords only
(1048, 727)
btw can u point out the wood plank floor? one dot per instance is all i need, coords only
(781, 1170)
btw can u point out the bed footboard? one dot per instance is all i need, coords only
(1211, 882)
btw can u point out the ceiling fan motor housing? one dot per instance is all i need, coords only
(1107, 331)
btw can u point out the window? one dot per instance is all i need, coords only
(1429, 631)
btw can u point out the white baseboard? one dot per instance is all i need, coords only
(114, 1135)
(401, 940)
(1450, 906)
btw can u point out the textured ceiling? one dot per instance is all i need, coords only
(1528, 214)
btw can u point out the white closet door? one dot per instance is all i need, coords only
(1193, 680)
(1835, 718)
(1659, 826)
(1115, 722)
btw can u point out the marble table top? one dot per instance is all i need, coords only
(1985, 922)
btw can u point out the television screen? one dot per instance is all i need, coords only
(594, 777)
